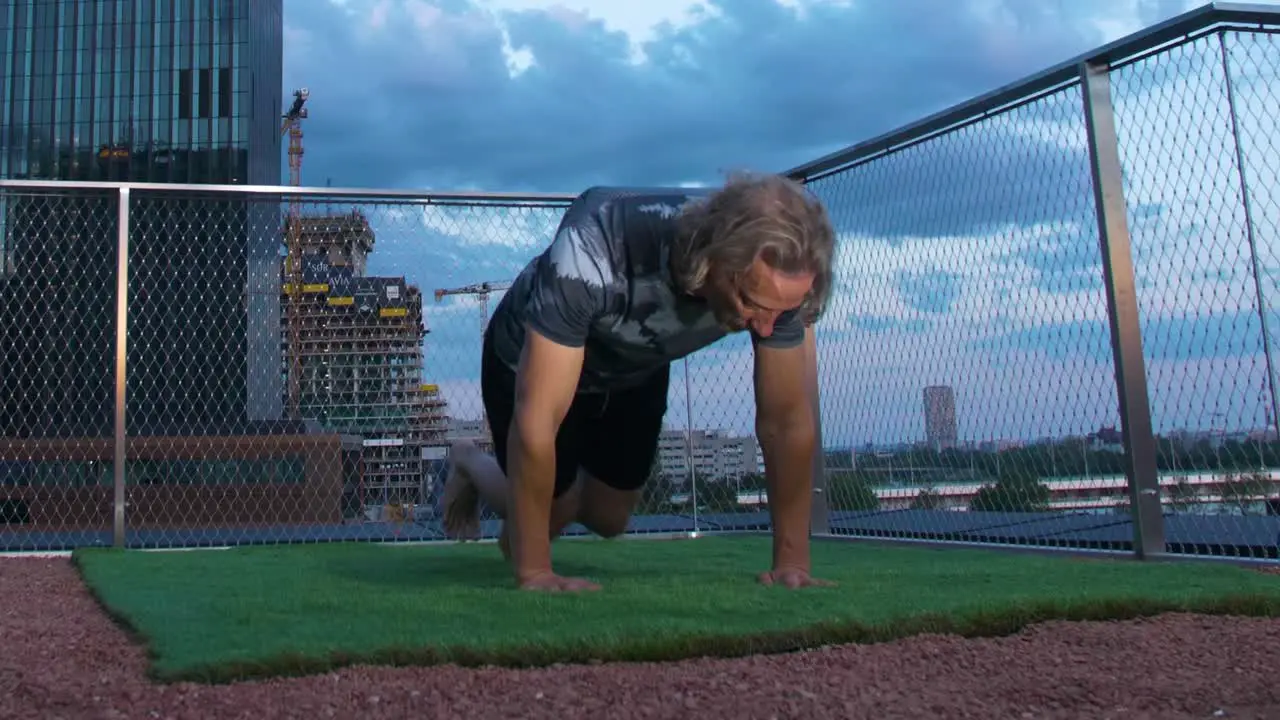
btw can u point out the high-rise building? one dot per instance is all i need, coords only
(166, 91)
(716, 455)
(357, 341)
(183, 91)
(940, 417)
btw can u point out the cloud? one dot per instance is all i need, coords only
(1010, 169)
(971, 259)
(429, 94)
(932, 292)
(1187, 337)
(882, 324)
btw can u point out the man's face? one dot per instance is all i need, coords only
(756, 299)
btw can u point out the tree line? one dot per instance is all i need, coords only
(1016, 489)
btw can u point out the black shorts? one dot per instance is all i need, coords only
(613, 436)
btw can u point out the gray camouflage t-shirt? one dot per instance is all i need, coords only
(605, 283)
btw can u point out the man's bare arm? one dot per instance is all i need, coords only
(786, 425)
(545, 384)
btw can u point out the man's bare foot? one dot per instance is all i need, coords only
(460, 500)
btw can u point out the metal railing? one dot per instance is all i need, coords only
(1052, 311)
(1082, 265)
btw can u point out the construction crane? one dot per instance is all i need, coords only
(480, 290)
(292, 125)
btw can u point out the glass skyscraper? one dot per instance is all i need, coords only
(185, 91)
(166, 91)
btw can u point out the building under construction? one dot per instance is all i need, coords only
(354, 345)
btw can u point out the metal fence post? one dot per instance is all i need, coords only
(122, 346)
(1264, 313)
(1122, 312)
(688, 445)
(820, 511)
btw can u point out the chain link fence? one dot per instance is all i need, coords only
(968, 360)
(57, 350)
(962, 366)
(265, 403)
(1200, 171)
(969, 376)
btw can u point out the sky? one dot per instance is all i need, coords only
(970, 260)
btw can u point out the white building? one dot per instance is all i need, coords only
(476, 431)
(716, 455)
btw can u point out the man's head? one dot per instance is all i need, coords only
(756, 248)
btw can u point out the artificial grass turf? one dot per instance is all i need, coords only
(281, 610)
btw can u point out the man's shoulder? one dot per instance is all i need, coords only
(611, 233)
(601, 193)
(666, 201)
(607, 218)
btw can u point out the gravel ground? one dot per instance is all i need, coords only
(60, 657)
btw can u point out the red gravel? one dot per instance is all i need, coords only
(60, 657)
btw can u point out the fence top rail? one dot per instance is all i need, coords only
(1207, 17)
(327, 193)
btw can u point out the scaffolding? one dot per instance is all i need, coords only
(360, 358)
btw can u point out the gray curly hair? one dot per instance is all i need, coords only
(763, 216)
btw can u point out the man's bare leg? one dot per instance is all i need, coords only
(603, 510)
(475, 475)
(472, 475)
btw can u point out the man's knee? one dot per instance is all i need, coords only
(604, 510)
(607, 524)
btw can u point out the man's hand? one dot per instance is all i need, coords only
(792, 577)
(547, 580)
(551, 582)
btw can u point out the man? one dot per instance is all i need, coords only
(577, 358)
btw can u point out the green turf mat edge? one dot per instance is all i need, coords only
(1005, 621)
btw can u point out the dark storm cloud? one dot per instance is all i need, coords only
(752, 86)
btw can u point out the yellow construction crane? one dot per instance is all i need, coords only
(480, 290)
(292, 125)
